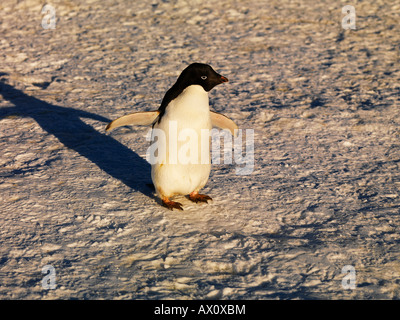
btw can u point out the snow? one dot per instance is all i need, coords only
(324, 193)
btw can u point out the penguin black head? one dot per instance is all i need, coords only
(200, 74)
(196, 73)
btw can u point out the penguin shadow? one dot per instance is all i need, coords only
(66, 125)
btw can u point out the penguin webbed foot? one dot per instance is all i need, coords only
(171, 204)
(197, 197)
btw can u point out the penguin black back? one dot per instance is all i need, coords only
(195, 74)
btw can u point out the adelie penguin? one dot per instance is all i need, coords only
(185, 106)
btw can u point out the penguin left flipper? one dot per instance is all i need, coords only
(146, 118)
(223, 122)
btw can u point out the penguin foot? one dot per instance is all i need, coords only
(197, 197)
(171, 204)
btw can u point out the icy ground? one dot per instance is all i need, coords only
(324, 193)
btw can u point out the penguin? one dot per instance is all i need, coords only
(184, 107)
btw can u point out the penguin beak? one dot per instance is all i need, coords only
(223, 79)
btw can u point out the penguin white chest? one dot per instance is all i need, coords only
(186, 124)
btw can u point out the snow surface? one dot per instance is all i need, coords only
(324, 193)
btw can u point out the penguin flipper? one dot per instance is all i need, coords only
(223, 122)
(137, 118)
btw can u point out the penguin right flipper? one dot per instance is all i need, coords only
(137, 118)
(223, 122)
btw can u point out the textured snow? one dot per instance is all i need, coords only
(324, 106)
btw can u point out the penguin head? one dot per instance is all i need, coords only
(200, 74)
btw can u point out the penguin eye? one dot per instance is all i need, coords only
(203, 77)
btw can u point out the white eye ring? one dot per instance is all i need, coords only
(203, 77)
